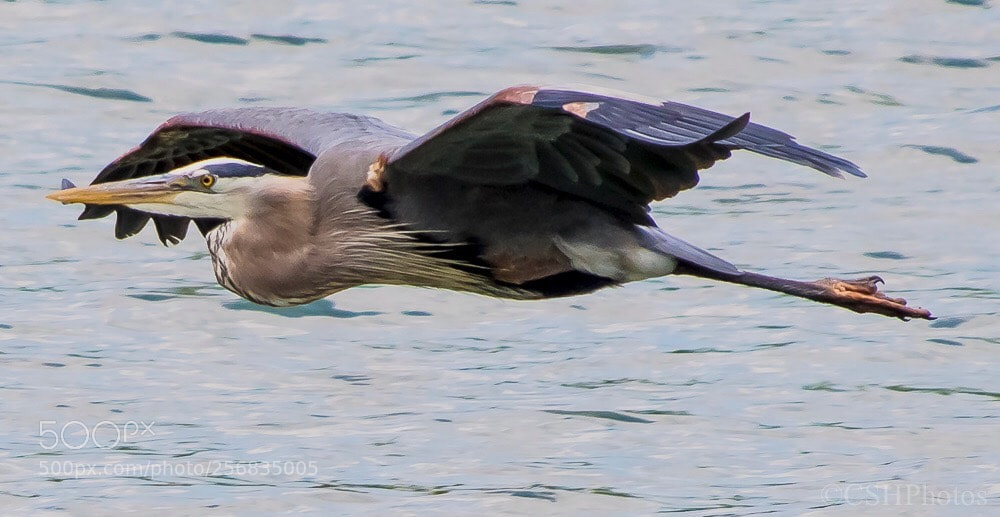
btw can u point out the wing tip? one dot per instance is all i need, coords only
(834, 165)
(731, 129)
(95, 212)
(854, 170)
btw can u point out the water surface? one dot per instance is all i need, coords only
(671, 395)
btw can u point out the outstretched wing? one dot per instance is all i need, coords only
(286, 140)
(617, 153)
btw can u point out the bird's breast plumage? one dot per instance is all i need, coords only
(216, 240)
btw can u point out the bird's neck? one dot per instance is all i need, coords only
(265, 256)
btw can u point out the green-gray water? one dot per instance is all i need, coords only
(671, 395)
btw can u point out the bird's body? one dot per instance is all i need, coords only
(533, 193)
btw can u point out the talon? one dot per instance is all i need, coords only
(858, 295)
(867, 286)
(869, 281)
(862, 295)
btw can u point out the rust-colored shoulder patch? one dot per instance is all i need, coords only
(517, 94)
(581, 109)
(376, 172)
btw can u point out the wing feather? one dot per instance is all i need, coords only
(286, 140)
(614, 152)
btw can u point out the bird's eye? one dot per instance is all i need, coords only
(207, 180)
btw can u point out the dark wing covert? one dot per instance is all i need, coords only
(614, 152)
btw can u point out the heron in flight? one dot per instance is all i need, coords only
(533, 193)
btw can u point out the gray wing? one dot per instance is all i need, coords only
(618, 153)
(286, 140)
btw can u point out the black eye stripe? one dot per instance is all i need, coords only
(235, 170)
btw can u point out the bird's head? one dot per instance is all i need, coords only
(222, 188)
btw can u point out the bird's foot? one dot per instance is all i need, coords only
(862, 295)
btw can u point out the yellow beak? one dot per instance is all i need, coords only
(157, 189)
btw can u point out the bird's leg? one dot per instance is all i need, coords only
(860, 295)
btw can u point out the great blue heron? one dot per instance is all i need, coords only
(532, 193)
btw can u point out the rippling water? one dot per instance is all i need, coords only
(131, 381)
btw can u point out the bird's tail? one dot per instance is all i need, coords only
(660, 241)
